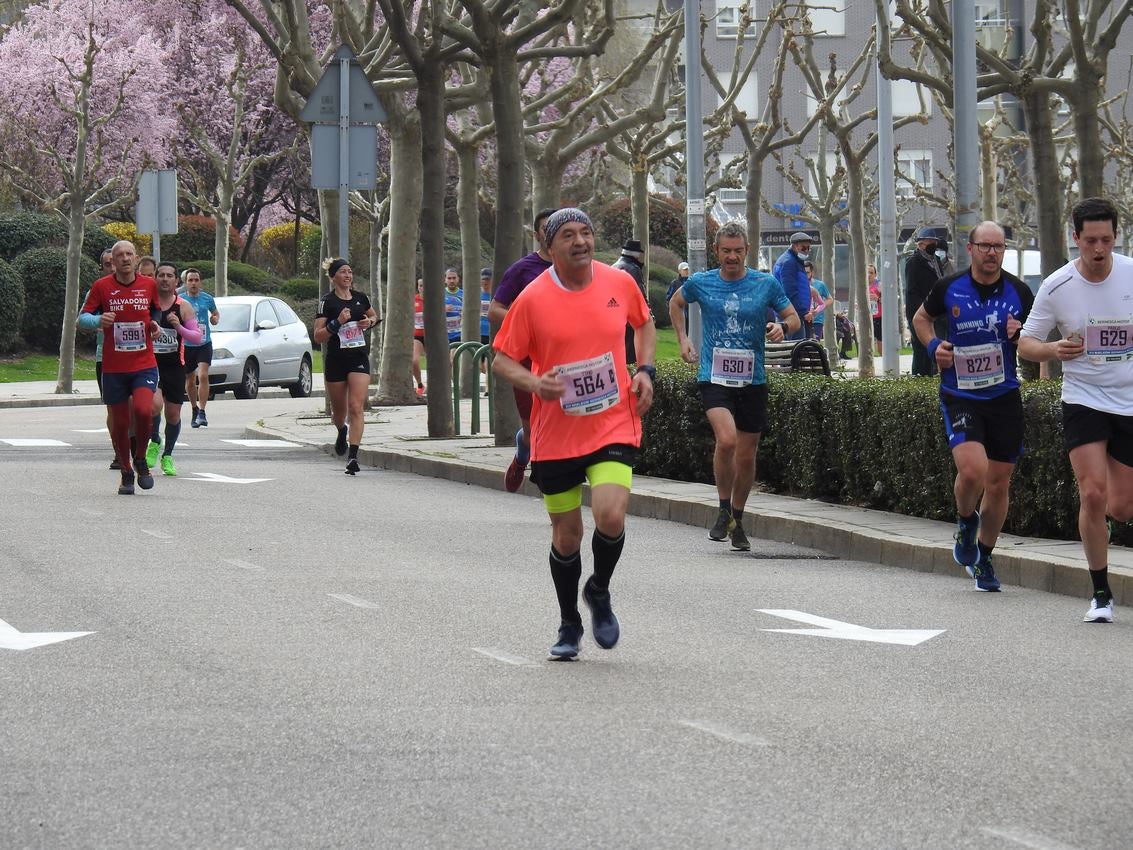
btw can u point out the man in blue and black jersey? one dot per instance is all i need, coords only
(979, 390)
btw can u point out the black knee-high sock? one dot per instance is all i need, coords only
(155, 435)
(1100, 578)
(172, 432)
(566, 570)
(353, 452)
(606, 554)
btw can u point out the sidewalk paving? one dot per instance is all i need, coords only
(396, 439)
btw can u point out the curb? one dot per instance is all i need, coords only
(845, 537)
(73, 400)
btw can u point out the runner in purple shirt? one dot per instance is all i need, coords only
(515, 280)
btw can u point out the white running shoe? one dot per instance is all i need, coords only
(1099, 613)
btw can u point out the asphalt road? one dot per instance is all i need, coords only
(315, 660)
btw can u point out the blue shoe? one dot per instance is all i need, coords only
(984, 574)
(966, 551)
(603, 622)
(522, 450)
(570, 635)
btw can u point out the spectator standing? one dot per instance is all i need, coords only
(928, 264)
(791, 274)
(874, 288)
(632, 262)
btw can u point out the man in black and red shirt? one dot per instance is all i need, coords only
(128, 306)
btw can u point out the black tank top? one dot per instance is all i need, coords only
(168, 347)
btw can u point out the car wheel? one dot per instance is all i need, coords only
(249, 386)
(302, 388)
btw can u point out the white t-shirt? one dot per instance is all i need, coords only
(1068, 301)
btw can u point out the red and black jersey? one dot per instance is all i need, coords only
(126, 345)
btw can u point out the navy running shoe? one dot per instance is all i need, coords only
(603, 622)
(570, 636)
(966, 551)
(522, 450)
(984, 574)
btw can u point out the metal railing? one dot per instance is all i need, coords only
(481, 353)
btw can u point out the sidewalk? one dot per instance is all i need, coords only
(395, 439)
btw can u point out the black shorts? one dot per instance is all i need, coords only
(196, 355)
(877, 327)
(1082, 425)
(559, 476)
(337, 366)
(171, 380)
(995, 423)
(98, 376)
(748, 405)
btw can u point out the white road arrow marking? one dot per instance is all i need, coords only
(356, 601)
(10, 638)
(505, 657)
(224, 479)
(849, 631)
(23, 444)
(726, 733)
(265, 444)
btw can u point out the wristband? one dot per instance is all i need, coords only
(649, 370)
(333, 325)
(783, 325)
(933, 344)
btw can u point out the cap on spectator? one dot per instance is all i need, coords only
(682, 267)
(485, 274)
(633, 246)
(799, 236)
(931, 231)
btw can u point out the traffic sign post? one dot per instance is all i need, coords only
(343, 100)
(156, 212)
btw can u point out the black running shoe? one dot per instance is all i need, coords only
(724, 525)
(126, 488)
(603, 622)
(145, 480)
(570, 636)
(352, 467)
(340, 442)
(114, 464)
(739, 539)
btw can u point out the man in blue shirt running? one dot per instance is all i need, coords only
(985, 308)
(734, 301)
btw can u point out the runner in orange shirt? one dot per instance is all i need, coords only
(586, 417)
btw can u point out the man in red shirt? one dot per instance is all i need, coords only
(128, 306)
(586, 414)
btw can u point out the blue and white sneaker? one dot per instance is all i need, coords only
(570, 636)
(966, 551)
(984, 574)
(522, 450)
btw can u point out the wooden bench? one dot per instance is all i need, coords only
(802, 355)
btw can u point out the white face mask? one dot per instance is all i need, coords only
(941, 254)
(803, 256)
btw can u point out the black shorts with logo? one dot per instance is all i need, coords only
(558, 476)
(748, 404)
(197, 354)
(1082, 425)
(340, 364)
(995, 423)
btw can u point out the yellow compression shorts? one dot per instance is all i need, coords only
(603, 472)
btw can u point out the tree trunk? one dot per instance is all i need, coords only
(468, 209)
(1049, 194)
(376, 297)
(753, 190)
(224, 193)
(639, 207)
(989, 196)
(508, 114)
(1087, 131)
(826, 274)
(76, 229)
(546, 182)
(856, 215)
(431, 108)
(395, 385)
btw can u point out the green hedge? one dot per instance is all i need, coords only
(44, 275)
(24, 231)
(300, 288)
(871, 442)
(241, 276)
(12, 304)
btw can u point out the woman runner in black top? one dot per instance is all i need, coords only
(343, 318)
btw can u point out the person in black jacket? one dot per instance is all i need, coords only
(632, 261)
(928, 264)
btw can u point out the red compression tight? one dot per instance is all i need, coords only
(140, 406)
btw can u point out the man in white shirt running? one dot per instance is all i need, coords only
(1090, 301)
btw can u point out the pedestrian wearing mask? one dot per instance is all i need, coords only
(928, 264)
(790, 271)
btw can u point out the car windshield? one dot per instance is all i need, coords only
(233, 319)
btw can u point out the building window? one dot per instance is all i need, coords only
(914, 166)
(989, 13)
(728, 15)
(827, 19)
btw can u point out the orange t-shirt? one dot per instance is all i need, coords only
(583, 331)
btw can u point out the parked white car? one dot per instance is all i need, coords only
(259, 342)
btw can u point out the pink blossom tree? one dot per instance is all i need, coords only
(80, 115)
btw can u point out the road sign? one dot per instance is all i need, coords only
(326, 151)
(157, 201)
(324, 104)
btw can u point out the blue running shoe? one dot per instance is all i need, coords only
(965, 551)
(522, 450)
(603, 622)
(570, 635)
(984, 574)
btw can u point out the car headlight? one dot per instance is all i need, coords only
(222, 354)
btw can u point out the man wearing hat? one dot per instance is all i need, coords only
(485, 302)
(586, 415)
(683, 272)
(632, 262)
(928, 264)
(790, 271)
